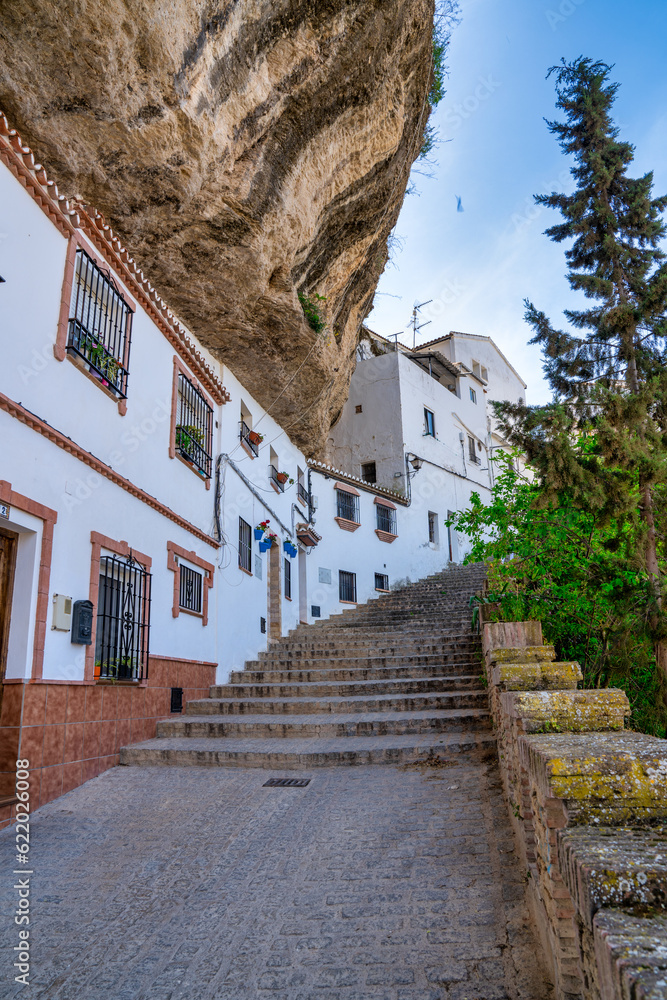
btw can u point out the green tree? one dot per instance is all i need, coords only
(552, 561)
(604, 437)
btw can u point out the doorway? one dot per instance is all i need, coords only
(8, 543)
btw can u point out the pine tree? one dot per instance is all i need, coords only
(603, 439)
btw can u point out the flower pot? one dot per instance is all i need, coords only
(263, 546)
(259, 534)
(282, 477)
(254, 438)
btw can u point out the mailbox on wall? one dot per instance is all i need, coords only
(82, 623)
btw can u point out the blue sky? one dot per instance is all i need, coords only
(479, 264)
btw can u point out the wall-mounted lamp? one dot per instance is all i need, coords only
(416, 462)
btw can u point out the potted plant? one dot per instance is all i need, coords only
(187, 435)
(255, 438)
(261, 528)
(290, 548)
(269, 539)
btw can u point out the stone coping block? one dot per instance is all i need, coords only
(567, 711)
(614, 866)
(501, 635)
(606, 778)
(522, 654)
(631, 955)
(536, 676)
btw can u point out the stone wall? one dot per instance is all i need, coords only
(588, 802)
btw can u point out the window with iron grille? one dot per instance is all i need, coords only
(386, 519)
(99, 324)
(369, 472)
(432, 527)
(381, 581)
(288, 579)
(190, 592)
(245, 545)
(429, 423)
(244, 435)
(347, 586)
(472, 454)
(302, 493)
(347, 505)
(194, 424)
(123, 620)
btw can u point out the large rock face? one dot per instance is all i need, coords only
(245, 151)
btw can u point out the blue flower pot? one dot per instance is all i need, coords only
(259, 534)
(263, 546)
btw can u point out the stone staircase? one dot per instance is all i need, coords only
(394, 680)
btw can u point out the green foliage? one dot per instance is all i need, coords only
(553, 560)
(311, 310)
(446, 17)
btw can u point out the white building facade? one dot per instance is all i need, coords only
(141, 485)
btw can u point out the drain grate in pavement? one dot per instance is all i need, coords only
(286, 783)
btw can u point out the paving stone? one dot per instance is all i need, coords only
(204, 924)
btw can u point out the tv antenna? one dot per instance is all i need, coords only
(416, 327)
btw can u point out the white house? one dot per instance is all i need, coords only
(136, 472)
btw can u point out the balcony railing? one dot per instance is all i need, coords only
(244, 435)
(273, 476)
(303, 494)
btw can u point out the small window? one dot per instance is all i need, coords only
(262, 626)
(347, 586)
(485, 374)
(368, 472)
(190, 591)
(358, 408)
(99, 325)
(288, 579)
(476, 368)
(315, 611)
(176, 700)
(347, 506)
(194, 423)
(386, 519)
(123, 620)
(429, 423)
(245, 547)
(250, 438)
(381, 581)
(450, 537)
(472, 453)
(473, 394)
(432, 528)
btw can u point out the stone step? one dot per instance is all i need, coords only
(327, 705)
(381, 645)
(297, 754)
(340, 725)
(298, 675)
(321, 662)
(344, 688)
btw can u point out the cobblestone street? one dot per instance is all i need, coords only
(372, 883)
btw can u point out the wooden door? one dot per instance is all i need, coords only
(8, 542)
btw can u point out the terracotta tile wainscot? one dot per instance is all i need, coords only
(72, 731)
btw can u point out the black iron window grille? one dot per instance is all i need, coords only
(288, 579)
(369, 472)
(347, 586)
(123, 620)
(316, 611)
(245, 545)
(432, 526)
(472, 454)
(244, 435)
(176, 700)
(273, 476)
(381, 581)
(347, 506)
(99, 325)
(194, 426)
(190, 591)
(386, 519)
(262, 626)
(302, 493)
